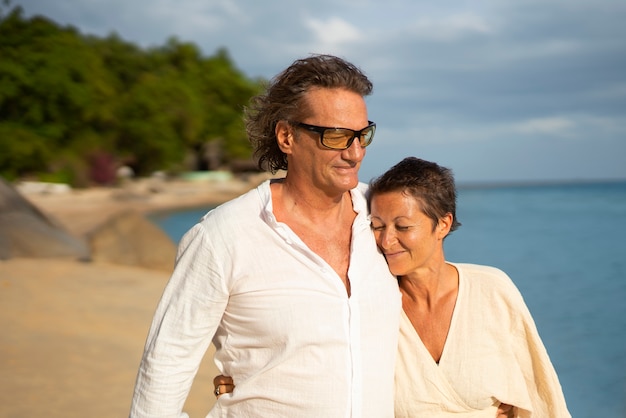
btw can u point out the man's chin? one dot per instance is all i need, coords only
(349, 180)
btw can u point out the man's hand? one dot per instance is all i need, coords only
(224, 384)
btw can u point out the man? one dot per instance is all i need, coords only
(286, 280)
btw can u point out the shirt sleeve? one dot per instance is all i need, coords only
(543, 386)
(532, 385)
(184, 323)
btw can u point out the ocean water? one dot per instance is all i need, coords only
(564, 246)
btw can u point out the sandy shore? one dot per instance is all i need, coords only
(73, 333)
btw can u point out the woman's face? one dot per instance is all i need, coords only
(404, 233)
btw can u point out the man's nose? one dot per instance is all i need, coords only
(355, 151)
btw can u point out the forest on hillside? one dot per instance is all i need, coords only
(74, 107)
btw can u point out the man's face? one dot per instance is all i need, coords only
(333, 171)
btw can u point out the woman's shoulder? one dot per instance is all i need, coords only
(488, 278)
(490, 286)
(479, 270)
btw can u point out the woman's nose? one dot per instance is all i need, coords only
(386, 238)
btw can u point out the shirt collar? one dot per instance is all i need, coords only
(359, 203)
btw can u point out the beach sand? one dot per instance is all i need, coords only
(73, 332)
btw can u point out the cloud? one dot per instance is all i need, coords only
(449, 28)
(333, 31)
(549, 125)
(194, 17)
(451, 79)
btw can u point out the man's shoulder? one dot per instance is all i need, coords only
(246, 204)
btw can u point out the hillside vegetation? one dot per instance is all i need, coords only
(75, 107)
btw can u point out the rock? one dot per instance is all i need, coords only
(26, 232)
(130, 239)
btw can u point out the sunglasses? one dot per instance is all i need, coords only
(340, 138)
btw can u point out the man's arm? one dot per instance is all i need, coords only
(185, 321)
(223, 384)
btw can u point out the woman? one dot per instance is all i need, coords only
(468, 344)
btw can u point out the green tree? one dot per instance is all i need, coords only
(66, 97)
(53, 87)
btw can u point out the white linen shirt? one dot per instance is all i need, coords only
(281, 320)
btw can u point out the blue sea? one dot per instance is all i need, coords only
(565, 248)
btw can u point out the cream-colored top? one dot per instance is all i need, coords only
(493, 354)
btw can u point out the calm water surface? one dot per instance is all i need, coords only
(565, 248)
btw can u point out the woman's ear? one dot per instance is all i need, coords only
(444, 225)
(284, 136)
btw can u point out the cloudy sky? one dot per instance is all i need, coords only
(497, 90)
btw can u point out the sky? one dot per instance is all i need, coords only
(496, 90)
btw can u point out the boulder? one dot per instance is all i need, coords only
(26, 232)
(129, 238)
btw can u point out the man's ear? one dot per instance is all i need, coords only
(284, 136)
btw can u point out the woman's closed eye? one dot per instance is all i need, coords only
(400, 228)
(377, 227)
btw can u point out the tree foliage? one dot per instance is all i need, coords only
(67, 99)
